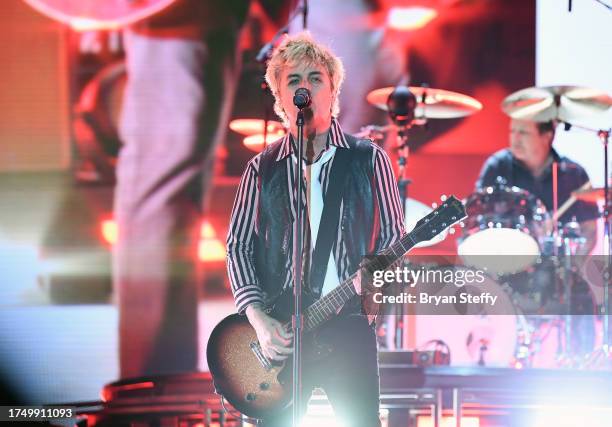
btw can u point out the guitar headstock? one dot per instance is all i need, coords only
(447, 214)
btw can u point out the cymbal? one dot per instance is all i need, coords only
(564, 103)
(431, 103)
(256, 142)
(592, 195)
(254, 126)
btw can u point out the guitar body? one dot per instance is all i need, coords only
(241, 377)
(238, 373)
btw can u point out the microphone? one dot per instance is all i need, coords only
(401, 104)
(302, 98)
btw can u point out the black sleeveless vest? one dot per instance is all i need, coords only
(274, 222)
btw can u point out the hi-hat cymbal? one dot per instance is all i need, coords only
(431, 103)
(250, 127)
(565, 103)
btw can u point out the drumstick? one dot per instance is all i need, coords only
(570, 201)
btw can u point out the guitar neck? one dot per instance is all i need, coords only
(451, 211)
(330, 304)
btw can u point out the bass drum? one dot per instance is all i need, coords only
(486, 336)
(503, 230)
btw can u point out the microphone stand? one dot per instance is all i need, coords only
(297, 319)
(305, 14)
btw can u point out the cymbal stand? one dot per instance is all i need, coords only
(571, 238)
(401, 106)
(604, 135)
(402, 162)
(563, 334)
(604, 350)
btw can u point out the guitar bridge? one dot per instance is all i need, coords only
(256, 348)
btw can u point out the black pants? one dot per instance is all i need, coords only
(349, 375)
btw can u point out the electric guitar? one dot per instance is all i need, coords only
(258, 387)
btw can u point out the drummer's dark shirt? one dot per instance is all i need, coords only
(571, 177)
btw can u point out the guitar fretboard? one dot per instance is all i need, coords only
(330, 304)
(327, 306)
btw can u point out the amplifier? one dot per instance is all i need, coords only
(414, 357)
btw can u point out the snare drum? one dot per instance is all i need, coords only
(507, 223)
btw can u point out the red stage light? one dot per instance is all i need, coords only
(109, 231)
(256, 142)
(210, 247)
(410, 18)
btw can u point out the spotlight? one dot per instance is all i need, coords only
(109, 231)
(210, 248)
(409, 18)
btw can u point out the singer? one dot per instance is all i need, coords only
(342, 171)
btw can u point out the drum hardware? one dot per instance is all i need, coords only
(604, 136)
(533, 339)
(374, 132)
(488, 212)
(503, 214)
(408, 107)
(524, 353)
(484, 346)
(555, 306)
(401, 104)
(413, 106)
(431, 103)
(571, 240)
(485, 223)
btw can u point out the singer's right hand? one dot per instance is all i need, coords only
(274, 340)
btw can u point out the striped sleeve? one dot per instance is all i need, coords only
(387, 196)
(241, 239)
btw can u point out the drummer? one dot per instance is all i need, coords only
(528, 164)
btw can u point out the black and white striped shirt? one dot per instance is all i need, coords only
(242, 231)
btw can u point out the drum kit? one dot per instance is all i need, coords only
(508, 232)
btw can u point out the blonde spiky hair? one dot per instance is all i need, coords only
(302, 48)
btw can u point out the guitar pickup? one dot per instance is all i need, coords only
(256, 348)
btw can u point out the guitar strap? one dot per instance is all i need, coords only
(328, 228)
